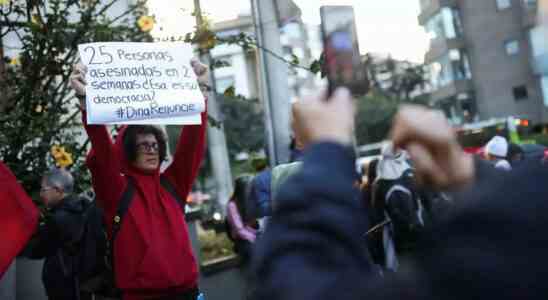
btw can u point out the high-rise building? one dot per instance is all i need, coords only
(487, 58)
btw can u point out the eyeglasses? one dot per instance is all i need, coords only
(45, 189)
(148, 147)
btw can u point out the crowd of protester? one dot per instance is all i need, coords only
(423, 221)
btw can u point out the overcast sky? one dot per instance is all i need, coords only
(386, 26)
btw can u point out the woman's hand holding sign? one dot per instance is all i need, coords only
(202, 72)
(78, 79)
(78, 83)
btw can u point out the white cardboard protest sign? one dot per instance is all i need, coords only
(141, 83)
(185, 120)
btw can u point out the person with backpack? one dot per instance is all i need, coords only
(58, 236)
(150, 245)
(396, 207)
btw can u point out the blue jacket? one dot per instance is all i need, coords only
(259, 201)
(493, 247)
(261, 190)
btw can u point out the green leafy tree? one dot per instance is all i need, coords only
(38, 108)
(392, 83)
(374, 117)
(244, 124)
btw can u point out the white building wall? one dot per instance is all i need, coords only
(237, 69)
(306, 48)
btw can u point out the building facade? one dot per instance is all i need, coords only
(241, 72)
(297, 38)
(389, 74)
(487, 59)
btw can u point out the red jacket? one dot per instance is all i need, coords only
(152, 251)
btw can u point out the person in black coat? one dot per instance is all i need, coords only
(57, 237)
(492, 247)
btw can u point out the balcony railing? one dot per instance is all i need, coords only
(451, 90)
(441, 46)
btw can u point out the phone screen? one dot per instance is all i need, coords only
(342, 55)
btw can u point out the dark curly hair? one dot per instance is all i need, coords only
(130, 140)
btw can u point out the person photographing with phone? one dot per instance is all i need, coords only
(319, 222)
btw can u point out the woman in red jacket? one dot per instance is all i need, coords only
(153, 257)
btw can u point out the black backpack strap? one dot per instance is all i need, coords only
(123, 206)
(166, 184)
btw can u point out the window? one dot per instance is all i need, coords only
(292, 31)
(454, 54)
(539, 44)
(224, 83)
(440, 73)
(434, 28)
(228, 33)
(450, 67)
(520, 93)
(224, 61)
(459, 65)
(445, 24)
(458, 22)
(448, 23)
(512, 47)
(544, 85)
(503, 4)
(530, 3)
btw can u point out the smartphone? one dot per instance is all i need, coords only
(343, 64)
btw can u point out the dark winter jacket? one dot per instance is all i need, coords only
(315, 240)
(57, 240)
(493, 247)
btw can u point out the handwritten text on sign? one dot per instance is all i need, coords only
(140, 82)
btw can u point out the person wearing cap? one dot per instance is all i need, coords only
(496, 151)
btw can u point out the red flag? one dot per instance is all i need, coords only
(18, 218)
